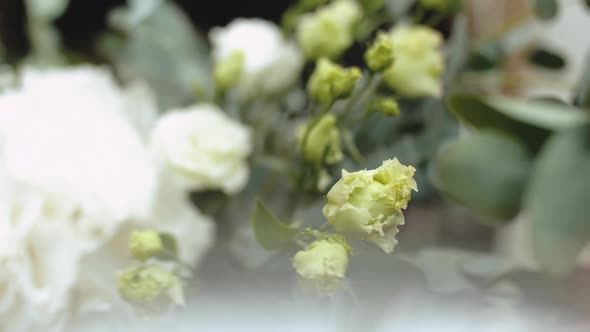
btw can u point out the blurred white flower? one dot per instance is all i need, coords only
(271, 63)
(64, 133)
(204, 147)
(76, 178)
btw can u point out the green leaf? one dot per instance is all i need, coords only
(162, 48)
(547, 115)
(530, 122)
(558, 200)
(270, 232)
(582, 93)
(547, 59)
(170, 246)
(486, 172)
(546, 9)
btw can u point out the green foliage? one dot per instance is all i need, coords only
(170, 247)
(546, 9)
(530, 122)
(486, 172)
(269, 231)
(558, 200)
(161, 47)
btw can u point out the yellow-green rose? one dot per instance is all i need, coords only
(328, 31)
(419, 64)
(369, 203)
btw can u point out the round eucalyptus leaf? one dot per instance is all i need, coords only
(486, 172)
(558, 200)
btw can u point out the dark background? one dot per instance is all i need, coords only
(84, 19)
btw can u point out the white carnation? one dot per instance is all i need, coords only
(75, 179)
(204, 147)
(271, 63)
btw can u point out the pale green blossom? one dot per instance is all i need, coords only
(144, 245)
(150, 286)
(330, 81)
(370, 203)
(323, 263)
(380, 54)
(419, 62)
(329, 30)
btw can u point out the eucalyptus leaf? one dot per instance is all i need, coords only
(546, 9)
(486, 172)
(558, 200)
(547, 115)
(162, 48)
(170, 246)
(442, 269)
(270, 232)
(531, 122)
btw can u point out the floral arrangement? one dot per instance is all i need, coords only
(299, 141)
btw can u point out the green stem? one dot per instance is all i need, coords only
(360, 96)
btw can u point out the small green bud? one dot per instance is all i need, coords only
(150, 287)
(227, 73)
(322, 143)
(329, 30)
(144, 245)
(370, 203)
(323, 264)
(385, 105)
(380, 55)
(330, 82)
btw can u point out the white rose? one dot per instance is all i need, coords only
(204, 147)
(271, 63)
(75, 179)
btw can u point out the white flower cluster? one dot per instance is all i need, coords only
(271, 63)
(77, 175)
